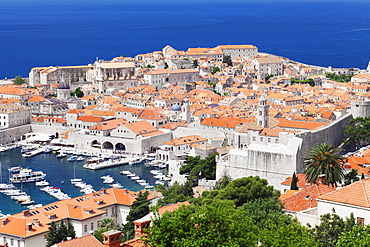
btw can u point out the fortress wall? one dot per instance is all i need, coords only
(12, 135)
(274, 167)
(331, 134)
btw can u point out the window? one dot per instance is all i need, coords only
(254, 138)
(268, 139)
(261, 139)
(85, 228)
(360, 221)
(92, 226)
(11, 242)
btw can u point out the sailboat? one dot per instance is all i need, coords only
(74, 179)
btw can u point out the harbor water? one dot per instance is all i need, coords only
(58, 173)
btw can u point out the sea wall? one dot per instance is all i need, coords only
(12, 135)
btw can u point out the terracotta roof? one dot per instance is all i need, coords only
(185, 140)
(284, 123)
(306, 198)
(172, 207)
(141, 127)
(110, 124)
(168, 71)
(90, 119)
(86, 241)
(36, 98)
(356, 194)
(301, 181)
(226, 122)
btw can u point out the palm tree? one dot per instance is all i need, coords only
(322, 159)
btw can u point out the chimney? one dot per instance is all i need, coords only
(112, 238)
(5, 221)
(139, 228)
(36, 221)
(29, 227)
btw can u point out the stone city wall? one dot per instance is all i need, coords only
(14, 134)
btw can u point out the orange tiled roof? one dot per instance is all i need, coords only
(37, 98)
(90, 119)
(185, 140)
(306, 198)
(356, 194)
(226, 122)
(284, 123)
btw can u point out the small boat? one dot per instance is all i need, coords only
(76, 180)
(125, 172)
(131, 175)
(141, 181)
(61, 155)
(149, 187)
(108, 180)
(72, 158)
(62, 182)
(42, 183)
(135, 178)
(27, 202)
(116, 185)
(80, 158)
(15, 169)
(105, 177)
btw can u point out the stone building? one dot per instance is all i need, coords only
(13, 115)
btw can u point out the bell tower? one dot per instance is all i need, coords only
(262, 112)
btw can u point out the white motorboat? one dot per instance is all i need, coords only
(125, 172)
(76, 180)
(61, 155)
(135, 178)
(108, 180)
(80, 158)
(159, 182)
(141, 181)
(15, 169)
(116, 185)
(105, 176)
(27, 175)
(149, 187)
(131, 175)
(72, 158)
(42, 183)
(32, 153)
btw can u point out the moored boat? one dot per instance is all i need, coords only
(15, 169)
(27, 175)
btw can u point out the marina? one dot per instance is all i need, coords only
(58, 170)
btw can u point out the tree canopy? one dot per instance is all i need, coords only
(358, 131)
(241, 191)
(331, 227)
(227, 59)
(358, 236)
(18, 80)
(339, 78)
(59, 234)
(215, 69)
(105, 225)
(200, 168)
(175, 193)
(322, 159)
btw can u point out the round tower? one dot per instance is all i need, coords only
(63, 91)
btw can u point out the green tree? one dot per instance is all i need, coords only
(265, 211)
(139, 208)
(105, 225)
(52, 236)
(198, 168)
(175, 193)
(215, 70)
(18, 80)
(227, 59)
(71, 230)
(362, 176)
(293, 185)
(241, 191)
(358, 236)
(322, 159)
(351, 177)
(222, 182)
(208, 225)
(79, 93)
(62, 232)
(340, 77)
(331, 227)
(358, 131)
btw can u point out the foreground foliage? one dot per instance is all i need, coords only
(59, 234)
(105, 225)
(358, 131)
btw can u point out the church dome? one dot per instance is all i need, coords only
(176, 108)
(63, 85)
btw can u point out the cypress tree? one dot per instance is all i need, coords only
(52, 235)
(293, 185)
(362, 176)
(71, 231)
(62, 232)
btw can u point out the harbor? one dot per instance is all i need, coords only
(59, 172)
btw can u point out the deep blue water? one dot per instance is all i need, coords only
(58, 170)
(324, 34)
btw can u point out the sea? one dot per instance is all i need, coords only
(58, 172)
(58, 33)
